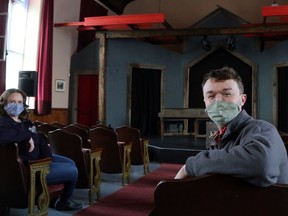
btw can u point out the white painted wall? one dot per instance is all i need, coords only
(64, 45)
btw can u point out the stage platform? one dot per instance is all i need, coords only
(174, 149)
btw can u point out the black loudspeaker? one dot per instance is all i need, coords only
(28, 82)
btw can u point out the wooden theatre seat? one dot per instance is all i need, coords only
(22, 186)
(218, 195)
(115, 157)
(57, 124)
(80, 131)
(87, 161)
(103, 126)
(139, 150)
(45, 128)
(81, 125)
(38, 123)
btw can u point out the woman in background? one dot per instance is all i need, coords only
(15, 128)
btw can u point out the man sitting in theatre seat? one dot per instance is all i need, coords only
(14, 128)
(243, 147)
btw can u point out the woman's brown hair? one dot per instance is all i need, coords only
(4, 99)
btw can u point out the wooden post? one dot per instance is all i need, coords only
(102, 73)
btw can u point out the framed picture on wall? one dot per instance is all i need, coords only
(60, 85)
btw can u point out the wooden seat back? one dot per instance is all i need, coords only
(115, 157)
(70, 145)
(82, 132)
(57, 124)
(107, 140)
(19, 187)
(14, 178)
(129, 134)
(45, 129)
(218, 195)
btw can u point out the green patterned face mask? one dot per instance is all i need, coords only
(222, 112)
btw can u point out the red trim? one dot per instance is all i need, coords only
(68, 24)
(124, 19)
(116, 22)
(275, 10)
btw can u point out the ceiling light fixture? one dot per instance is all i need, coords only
(231, 44)
(206, 43)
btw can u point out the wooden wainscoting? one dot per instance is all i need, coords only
(58, 114)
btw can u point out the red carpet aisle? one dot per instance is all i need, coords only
(136, 199)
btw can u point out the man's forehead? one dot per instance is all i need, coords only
(221, 85)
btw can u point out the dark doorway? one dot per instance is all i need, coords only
(217, 59)
(282, 99)
(145, 100)
(87, 103)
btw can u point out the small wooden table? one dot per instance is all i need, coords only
(167, 114)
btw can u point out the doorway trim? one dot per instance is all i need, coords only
(237, 55)
(162, 68)
(275, 92)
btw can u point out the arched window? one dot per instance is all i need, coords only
(16, 32)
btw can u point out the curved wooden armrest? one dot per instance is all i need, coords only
(125, 150)
(121, 143)
(94, 173)
(43, 161)
(144, 138)
(86, 150)
(41, 167)
(98, 149)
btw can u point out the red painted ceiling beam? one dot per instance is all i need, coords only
(281, 10)
(68, 24)
(116, 22)
(124, 19)
(115, 27)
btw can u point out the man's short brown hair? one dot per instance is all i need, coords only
(223, 74)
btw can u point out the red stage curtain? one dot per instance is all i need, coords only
(44, 67)
(3, 20)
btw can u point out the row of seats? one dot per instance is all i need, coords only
(118, 149)
(94, 149)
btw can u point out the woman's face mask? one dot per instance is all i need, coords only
(222, 112)
(14, 109)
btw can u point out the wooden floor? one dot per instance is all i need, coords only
(174, 149)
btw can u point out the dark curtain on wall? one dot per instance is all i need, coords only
(145, 100)
(3, 21)
(44, 67)
(89, 8)
(282, 99)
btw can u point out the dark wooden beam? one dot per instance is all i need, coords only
(260, 29)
